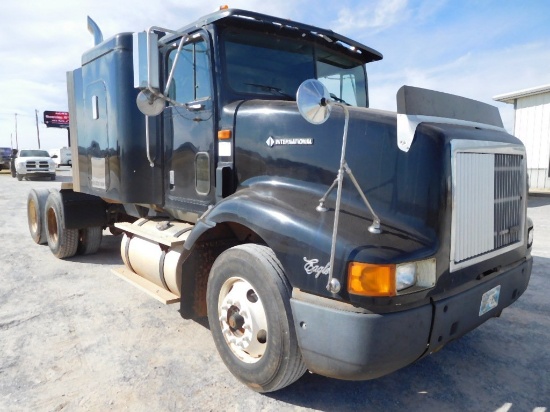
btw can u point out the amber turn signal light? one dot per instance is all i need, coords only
(371, 280)
(224, 134)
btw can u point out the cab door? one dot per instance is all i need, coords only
(189, 125)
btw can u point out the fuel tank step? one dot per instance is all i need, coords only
(160, 294)
(153, 250)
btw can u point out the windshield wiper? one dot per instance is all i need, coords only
(272, 89)
(334, 97)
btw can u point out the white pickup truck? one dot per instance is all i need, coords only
(34, 163)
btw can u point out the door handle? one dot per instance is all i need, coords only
(194, 106)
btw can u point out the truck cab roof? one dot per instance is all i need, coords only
(245, 17)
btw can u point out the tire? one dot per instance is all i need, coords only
(89, 240)
(63, 242)
(19, 177)
(248, 300)
(36, 204)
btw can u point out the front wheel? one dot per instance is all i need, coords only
(19, 176)
(248, 299)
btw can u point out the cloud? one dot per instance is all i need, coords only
(468, 50)
(376, 16)
(476, 75)
(40, 41)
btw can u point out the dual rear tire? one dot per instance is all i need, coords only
(45, 215)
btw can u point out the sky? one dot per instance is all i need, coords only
(473, 48)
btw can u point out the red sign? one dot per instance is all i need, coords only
(56, 119)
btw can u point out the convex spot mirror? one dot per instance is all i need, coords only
(313, 101)
(149, 104)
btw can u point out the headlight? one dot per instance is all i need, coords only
(388, 280)
(405, 276)
(530, 237)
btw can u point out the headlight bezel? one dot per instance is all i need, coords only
(373, 280)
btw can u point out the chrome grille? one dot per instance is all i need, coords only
(33, 164)
(508, 199)
(488, 205)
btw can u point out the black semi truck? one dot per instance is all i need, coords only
(240, 162)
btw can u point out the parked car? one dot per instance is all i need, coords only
(5, 155)
(34, 163)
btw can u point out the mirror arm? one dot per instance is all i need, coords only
(314, 104)
(332, 284)
(173, 68)
(151, 161)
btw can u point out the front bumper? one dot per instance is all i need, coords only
(345, 342)
(41, 173)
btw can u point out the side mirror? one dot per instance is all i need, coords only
(54, 156)
(146, 73)
(146, 61)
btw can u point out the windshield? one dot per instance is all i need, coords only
(258, 63)
(33, 153)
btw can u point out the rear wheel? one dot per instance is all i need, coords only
(248, 298)
(63, 242)
(89, 240)
(36, 204)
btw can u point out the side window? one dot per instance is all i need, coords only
(202, 173)
(191, 78)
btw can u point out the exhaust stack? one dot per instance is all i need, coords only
(94, 29)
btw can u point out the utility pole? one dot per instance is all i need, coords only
(16, 141)
(37, 131)
(11, 140)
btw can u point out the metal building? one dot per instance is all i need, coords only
(532, 126)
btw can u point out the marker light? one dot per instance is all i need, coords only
(224, 134)
(371, 280)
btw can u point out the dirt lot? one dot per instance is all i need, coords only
(75, 337)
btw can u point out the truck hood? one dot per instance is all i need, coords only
(273, 142)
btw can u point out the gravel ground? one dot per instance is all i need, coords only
(75, 337)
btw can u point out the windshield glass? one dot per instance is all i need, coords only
(34, 153)
(258, 63)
